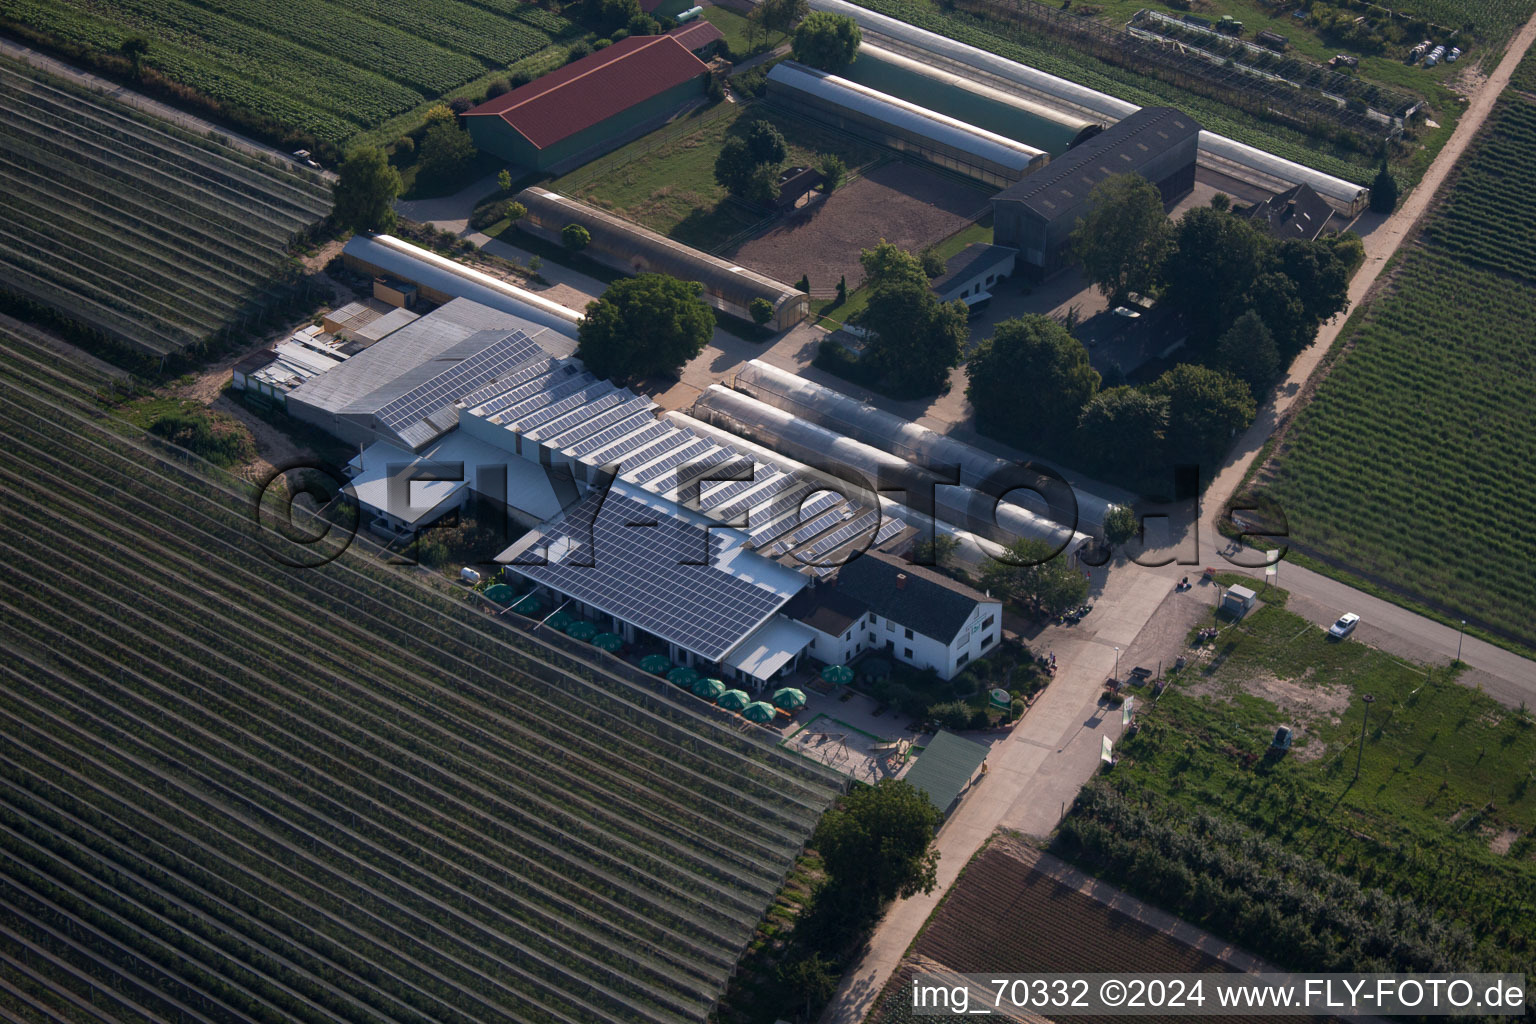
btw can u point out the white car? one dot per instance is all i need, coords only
(1345, 626)
(1128, 313)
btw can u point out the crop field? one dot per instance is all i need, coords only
(235, 790)
(1005, 915)
(152, 236)
(1414, 464)
(1426, 858)
(330, 68)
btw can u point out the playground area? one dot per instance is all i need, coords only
(852, 751)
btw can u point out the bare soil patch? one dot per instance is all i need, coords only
(901, 203)
(1501, 843)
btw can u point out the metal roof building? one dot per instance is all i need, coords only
(946, 768)
(430, 362)
(635, 250)
(588, 102)
(1037, 215)
(916, 131)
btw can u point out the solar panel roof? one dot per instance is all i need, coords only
(446, 387)
(631, 559)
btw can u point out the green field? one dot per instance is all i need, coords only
(1414, 464)
(324, 68)
(666, 181)
(130, 229)
(236, 788)
(1440, 819)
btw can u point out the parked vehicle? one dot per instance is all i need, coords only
(1345, 626)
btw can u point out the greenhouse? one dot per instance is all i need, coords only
(912, 130)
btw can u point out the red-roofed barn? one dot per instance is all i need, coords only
(589, 102)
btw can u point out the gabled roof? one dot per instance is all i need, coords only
(590, 90)
(1298, 212)
(697, 34)
(945, 767)
(925, 602)
(976, 258)
(825, 608)
(1126, 146)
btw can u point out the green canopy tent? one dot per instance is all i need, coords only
(709, 689)
(530, 605)
(657, 664)
(789, 698)
(759, 712)
(842, 675)
(683, 676)
(580, 630)
(610, 642)
(559, 621)
(734, 700)
(500, 593)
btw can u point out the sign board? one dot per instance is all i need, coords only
(1107, 753)
(1125, 710)
(1001, 699)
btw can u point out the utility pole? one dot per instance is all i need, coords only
(1368, 701)
(1459, 630)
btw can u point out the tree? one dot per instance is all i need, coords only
(1383, 191)
(1276, 300)
(1221, 201)
(878, 843)
(135, 48)
(742, 174)
(575, 237)
(916, 339)
(645, 325)
(516, 211)
(1032, 574)
(1207, 276)
(833, 171)
(604, 16)
(812, 976)
(1348, 249)
(842, 289)
(935, 552)
(446, 150)
(1121, 524)
(890, 264)
(365, 191)
(1122, 242)
(504, 180)
(766, 143)
(781, 15)
(761, 310)
(641, 24)
(826, 41)
(1206, 408)
(804, 284)
(1121, 429)
(1320, 273)
(1247, 351)
(933, 263)
(1030, 381)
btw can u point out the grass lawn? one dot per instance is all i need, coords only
(216, 436)
(1443, 809)
(666, 181)
(734, 27)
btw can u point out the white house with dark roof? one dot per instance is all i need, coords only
(880, 602)
(972, 273)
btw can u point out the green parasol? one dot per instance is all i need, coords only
(530, 605)
(842, 675)
(610, 642)
(734, 700)
(709, 689)
(559, 621)
(500, 593)
(683, 676)
(759, 712)
(656, 663)
(789, 698)
(580, 630)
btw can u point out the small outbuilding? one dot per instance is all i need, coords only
(1238, 601)
(946, 768)
(972, 273)
(1298, 212)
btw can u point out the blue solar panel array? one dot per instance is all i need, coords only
(446, 387)
(848, 532)
(502, 385)
(638, 573)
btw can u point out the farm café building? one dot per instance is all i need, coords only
(590, 105)
(879, 602)
(634, 250)
(640, 566)
(1037, 215)
(946, 768)
(909, 129)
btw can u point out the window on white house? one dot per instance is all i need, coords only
(986, 622)
(907, 651)
(890, 627)
(986, 641)
(909, 634)
(962, 660)
(848, 635)
(871, 638)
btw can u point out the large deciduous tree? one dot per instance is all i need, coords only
(1030, 381)
(365, 191)
(827, 41)
(1207, 277)
(1121, 429)
(446, 150)
(1122, 242)
(645, 325)
(1247, 351)
(916, 339)
(1032, 574)
(1206, 408)
(748, 164)
(878, 843)
(781, 15)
